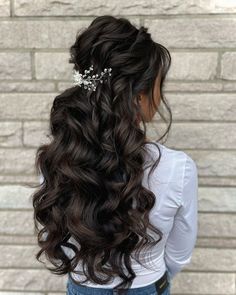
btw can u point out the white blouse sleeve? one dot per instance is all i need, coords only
(182, 238)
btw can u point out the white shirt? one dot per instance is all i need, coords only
(175, 185)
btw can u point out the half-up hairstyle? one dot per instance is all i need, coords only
(93, 167)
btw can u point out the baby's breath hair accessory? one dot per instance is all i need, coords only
(90, 82)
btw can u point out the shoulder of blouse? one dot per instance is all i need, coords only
(177, 165)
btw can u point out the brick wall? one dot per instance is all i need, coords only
(201, 36)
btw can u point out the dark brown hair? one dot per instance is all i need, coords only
(93, 167)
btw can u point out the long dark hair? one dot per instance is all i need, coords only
(93, 167)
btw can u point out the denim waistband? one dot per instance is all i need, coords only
(87, 290)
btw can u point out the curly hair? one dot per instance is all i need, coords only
(93, 166)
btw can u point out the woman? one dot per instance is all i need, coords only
(108, 221)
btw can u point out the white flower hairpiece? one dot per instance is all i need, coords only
(89, 82)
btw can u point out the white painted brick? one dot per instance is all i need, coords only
(217, 225)
(29, 106)
(41, 33)
(17, 256)
(5, 8)
(17, 223)
(17, 178)
(228, 66)
(29, 86)
(17, 161)
(15, 196)
(190, 86)
(15, 65)
(217, 199)
(202, 106)
(193, 65)
(17, 240)
(187, 135)
(205, 260)
(32, 280)
(203, 32)
(73, 7)
(216, 243)
(229, 86)
(10, 134)
(217, 181)
(204, 283)
(36, 133)
(19, 293)
(214, 162)
(53, 65)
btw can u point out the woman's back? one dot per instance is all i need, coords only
(175, 185)
(94, 168)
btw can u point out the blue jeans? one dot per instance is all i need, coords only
(74, 289)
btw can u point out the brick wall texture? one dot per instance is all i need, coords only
(201, 36)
